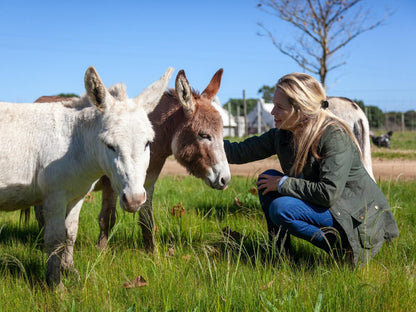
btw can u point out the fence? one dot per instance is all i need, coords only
(396, 121)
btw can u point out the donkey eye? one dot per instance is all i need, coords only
(109, 146)
(204, 136)
(147, 145)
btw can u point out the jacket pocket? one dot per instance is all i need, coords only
(369, 224)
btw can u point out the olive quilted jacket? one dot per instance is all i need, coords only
(337, 180)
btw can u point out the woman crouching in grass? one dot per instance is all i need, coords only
(324, 195)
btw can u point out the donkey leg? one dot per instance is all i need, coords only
(107, 217)
(146, 220)
(39, 216)
(54, 210)
(71, 226)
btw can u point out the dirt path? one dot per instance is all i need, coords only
(383, 169)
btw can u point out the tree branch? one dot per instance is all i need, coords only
(327, 26)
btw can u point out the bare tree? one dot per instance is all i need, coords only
(324, 26)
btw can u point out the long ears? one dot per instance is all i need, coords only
(184, 93)
(151, 96)
(96, 91)
(214, 85)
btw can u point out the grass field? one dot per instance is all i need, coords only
(196, 268)
(402, 146)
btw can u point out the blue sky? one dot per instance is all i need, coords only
(46, 46)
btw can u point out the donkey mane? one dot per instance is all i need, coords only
(353, 104)
(118, 91)
(170, 107)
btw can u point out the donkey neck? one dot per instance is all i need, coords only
(73, 163)
(167, 119)
(86, 141)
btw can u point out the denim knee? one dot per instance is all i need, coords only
(279, 212)
(265, 200)
(271, 172)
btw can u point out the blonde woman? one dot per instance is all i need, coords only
(324, 195)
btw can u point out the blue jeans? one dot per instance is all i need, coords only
(287, 216)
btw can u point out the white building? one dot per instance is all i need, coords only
(230, 125)
(260, 118)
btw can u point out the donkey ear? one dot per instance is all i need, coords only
(184, 93)
(211, 90)
(151, 96)
(96, 91)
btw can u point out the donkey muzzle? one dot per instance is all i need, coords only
(132, 202)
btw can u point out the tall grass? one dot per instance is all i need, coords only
(197, 268)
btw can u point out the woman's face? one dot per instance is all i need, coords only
(285, 117)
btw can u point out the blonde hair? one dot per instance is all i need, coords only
(306, 95)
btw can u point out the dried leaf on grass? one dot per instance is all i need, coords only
(268, 285)
(177, 210)
(89, 198)
(179, 177)
(253, 190)
(237, 202)
(139, 281)
(170, 252)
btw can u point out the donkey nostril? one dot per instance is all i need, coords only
(124, 198)
(223, 181)
(132, 202)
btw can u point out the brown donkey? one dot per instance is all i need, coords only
(188, 126)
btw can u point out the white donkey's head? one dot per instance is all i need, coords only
(124, 136)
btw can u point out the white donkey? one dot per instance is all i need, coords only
(354, 116)
(52, 154)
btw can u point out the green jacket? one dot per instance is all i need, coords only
(337, 180)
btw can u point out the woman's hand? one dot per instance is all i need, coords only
(268, 183)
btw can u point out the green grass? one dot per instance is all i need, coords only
(377, 152)
(196, 268)
(402, 146)
(402, 140)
